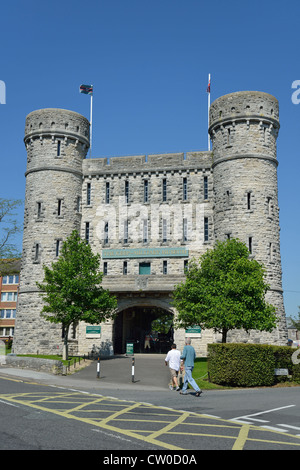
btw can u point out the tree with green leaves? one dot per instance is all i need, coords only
(8, 229)
(72, 289)
(296, 322)
(163, 323)
(224, 291)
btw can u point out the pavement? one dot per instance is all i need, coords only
(116, 373)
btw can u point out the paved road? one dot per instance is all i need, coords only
(84, 412)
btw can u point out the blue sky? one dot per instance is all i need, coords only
(149, 62)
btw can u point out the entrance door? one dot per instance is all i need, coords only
(149, 328)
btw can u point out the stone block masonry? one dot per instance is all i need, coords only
(147, 217)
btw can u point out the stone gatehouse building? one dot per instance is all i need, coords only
(147, 216)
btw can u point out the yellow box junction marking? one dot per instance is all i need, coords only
(104, 412)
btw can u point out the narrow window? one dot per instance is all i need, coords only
(39, 209)
(125, 268)
(250, 245)
(58, 148)
(164, 230)
(184, 189)
(205, 187)
(185, 265)
(106, 233)
(126, 191)
(269, 201)
(228, 137)
(57, 246)
(145, 230)
(185, 230)
(265, 135)
(59, 201)
(36, 252)
(206, 235)
(227, 198)
(164, 190)
(107, 193)
(271, 251)
(146, 193)
(165, 267)
(87, 232)
(88, 194)
(78, 203)
(125, 238)
(105, 268)
(248, 201)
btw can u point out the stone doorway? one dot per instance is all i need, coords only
(149, 328)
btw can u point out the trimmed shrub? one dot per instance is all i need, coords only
(250, 365)
(241, 365)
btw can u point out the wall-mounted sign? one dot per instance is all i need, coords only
(165, 252)
(93, 331)
(193, 329)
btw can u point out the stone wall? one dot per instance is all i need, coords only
(32, 363)
(56, 142)
(166, 201)
(244, 128)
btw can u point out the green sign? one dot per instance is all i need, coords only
(93, 330)
(129, 349)
(193, 329)
(165, 252)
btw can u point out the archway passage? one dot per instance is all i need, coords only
(150, 329)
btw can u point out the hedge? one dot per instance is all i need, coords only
(250, 365)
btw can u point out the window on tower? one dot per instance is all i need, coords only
(206, 234)
(146, 191)
(126, 191)
(205, 187)
(88, 194)
(249, 201)
(107, 192)
(185, 195)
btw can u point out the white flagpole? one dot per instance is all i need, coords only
(91, 122)
(208, 106)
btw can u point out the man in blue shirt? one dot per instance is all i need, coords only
(188, 356)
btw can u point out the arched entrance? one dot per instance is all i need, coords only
(149, 328)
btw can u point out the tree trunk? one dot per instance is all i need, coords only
(224, 335)
(65, 345)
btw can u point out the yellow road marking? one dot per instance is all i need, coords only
(242, 437)
(169, 426)
(81, 401)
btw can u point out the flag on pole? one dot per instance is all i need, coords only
(86, 89)
(208, 86)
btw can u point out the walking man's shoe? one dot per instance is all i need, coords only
(198, 393)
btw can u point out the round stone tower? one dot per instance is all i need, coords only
(243, 128)
(57, 141)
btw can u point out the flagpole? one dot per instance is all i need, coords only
(91, 123)
(208, 106)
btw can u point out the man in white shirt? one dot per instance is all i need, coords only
(173, 358)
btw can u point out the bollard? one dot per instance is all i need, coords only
(98, 368)
(132, 370)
